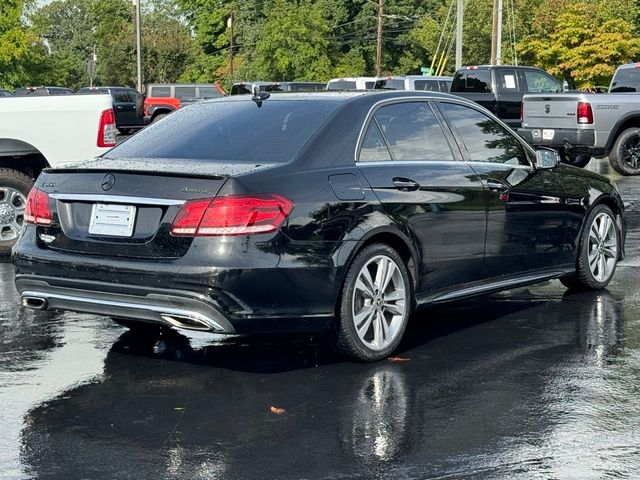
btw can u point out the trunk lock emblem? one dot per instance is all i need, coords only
(108, 182)
(547, 108)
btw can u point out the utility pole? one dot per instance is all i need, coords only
(494, 34)
(138, 45)
(230, 25)
(499, 36)
(459, 19)
(379, 43)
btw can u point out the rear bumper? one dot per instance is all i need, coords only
(571, 138)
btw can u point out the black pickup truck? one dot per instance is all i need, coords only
(500, 88)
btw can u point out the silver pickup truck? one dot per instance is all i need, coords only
(585, 125)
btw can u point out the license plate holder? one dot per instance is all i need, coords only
(548, 134)
(112, 220)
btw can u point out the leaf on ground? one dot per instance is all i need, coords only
(277, 410)
(398, 359)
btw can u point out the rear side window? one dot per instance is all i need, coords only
(237, 132)
(160, 92)
(208, 92)
(374, 148)
(341, 85)
(475, 81)
(626, 80)
(413, 132)
(389, 85)
(508, 80)
(485, 139)
(185, 92)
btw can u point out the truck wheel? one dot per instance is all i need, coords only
(159, 117)
(625, 154)
(14, 189)
(576, 159)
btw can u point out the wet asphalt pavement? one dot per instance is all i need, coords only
(532, 383)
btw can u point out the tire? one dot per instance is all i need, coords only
(576, 159)
(597, 274)
(14, 189)
(159, 117)
(124, 131)
(371, 343)
(625, 154)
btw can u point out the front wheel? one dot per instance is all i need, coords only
(598, 251)
(624, 158)
(375, 304)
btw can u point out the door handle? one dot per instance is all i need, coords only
(405, 184)
(497, 186)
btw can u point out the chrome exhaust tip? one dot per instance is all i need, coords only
(186, 322)
(36, 303)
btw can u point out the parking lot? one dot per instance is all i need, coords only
(530, 383)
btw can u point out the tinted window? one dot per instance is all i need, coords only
(369, 85)
(413, 132)
(208, 92)
(120, 96)
(478, 81)
(373, 147)
(508, 80)
(341, 85)
(538, 82)
(240, 89)
(389, 85)
(132, 94)
(486, 140)
(445, 86)
(427, 85)
(185, 92)
(626, 80)
(160, 92)
(230, 132)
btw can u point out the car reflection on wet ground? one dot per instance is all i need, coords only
(530, 383)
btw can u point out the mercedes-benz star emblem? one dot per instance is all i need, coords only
(108, 182)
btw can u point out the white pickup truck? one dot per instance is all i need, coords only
(584, 125)
(45, 131)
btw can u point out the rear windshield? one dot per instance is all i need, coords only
(390, 84)
(476, 81)
(626, 80)
(237, 132)
(428, 85)
(342, 85)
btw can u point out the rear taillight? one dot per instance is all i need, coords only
(584, 113)
(38, 211)
(107, 129)
(232, 215)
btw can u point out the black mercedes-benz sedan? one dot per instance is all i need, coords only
(345, 211)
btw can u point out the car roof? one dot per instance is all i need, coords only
(429, 77)
(629, 65)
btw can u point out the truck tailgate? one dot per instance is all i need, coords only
(550, 111)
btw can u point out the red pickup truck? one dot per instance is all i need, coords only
(164, 98)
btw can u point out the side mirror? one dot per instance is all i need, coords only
(547, 158)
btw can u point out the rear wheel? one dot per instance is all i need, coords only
(598, 252)
(375, 304)
(625, 155)
(14, 189)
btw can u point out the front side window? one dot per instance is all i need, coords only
(538, 82)
(120, 96)
(485, 139)
(160, 92)
(413, 132)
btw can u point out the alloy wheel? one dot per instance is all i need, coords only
(378, 306)
(631, 152)
(12, 208)
(603, 247)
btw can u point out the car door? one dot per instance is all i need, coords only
(125, 109)
(415, 169)
(509, 92)
(527, 210)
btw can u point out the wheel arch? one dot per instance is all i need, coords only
(627, 121)
(22, 156)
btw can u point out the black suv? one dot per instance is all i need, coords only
(125, 100)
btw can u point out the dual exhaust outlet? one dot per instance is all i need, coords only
(179, 321)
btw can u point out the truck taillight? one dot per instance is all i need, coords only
(107, 129)
(37, 211)
(232, 215)
(585, 113)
